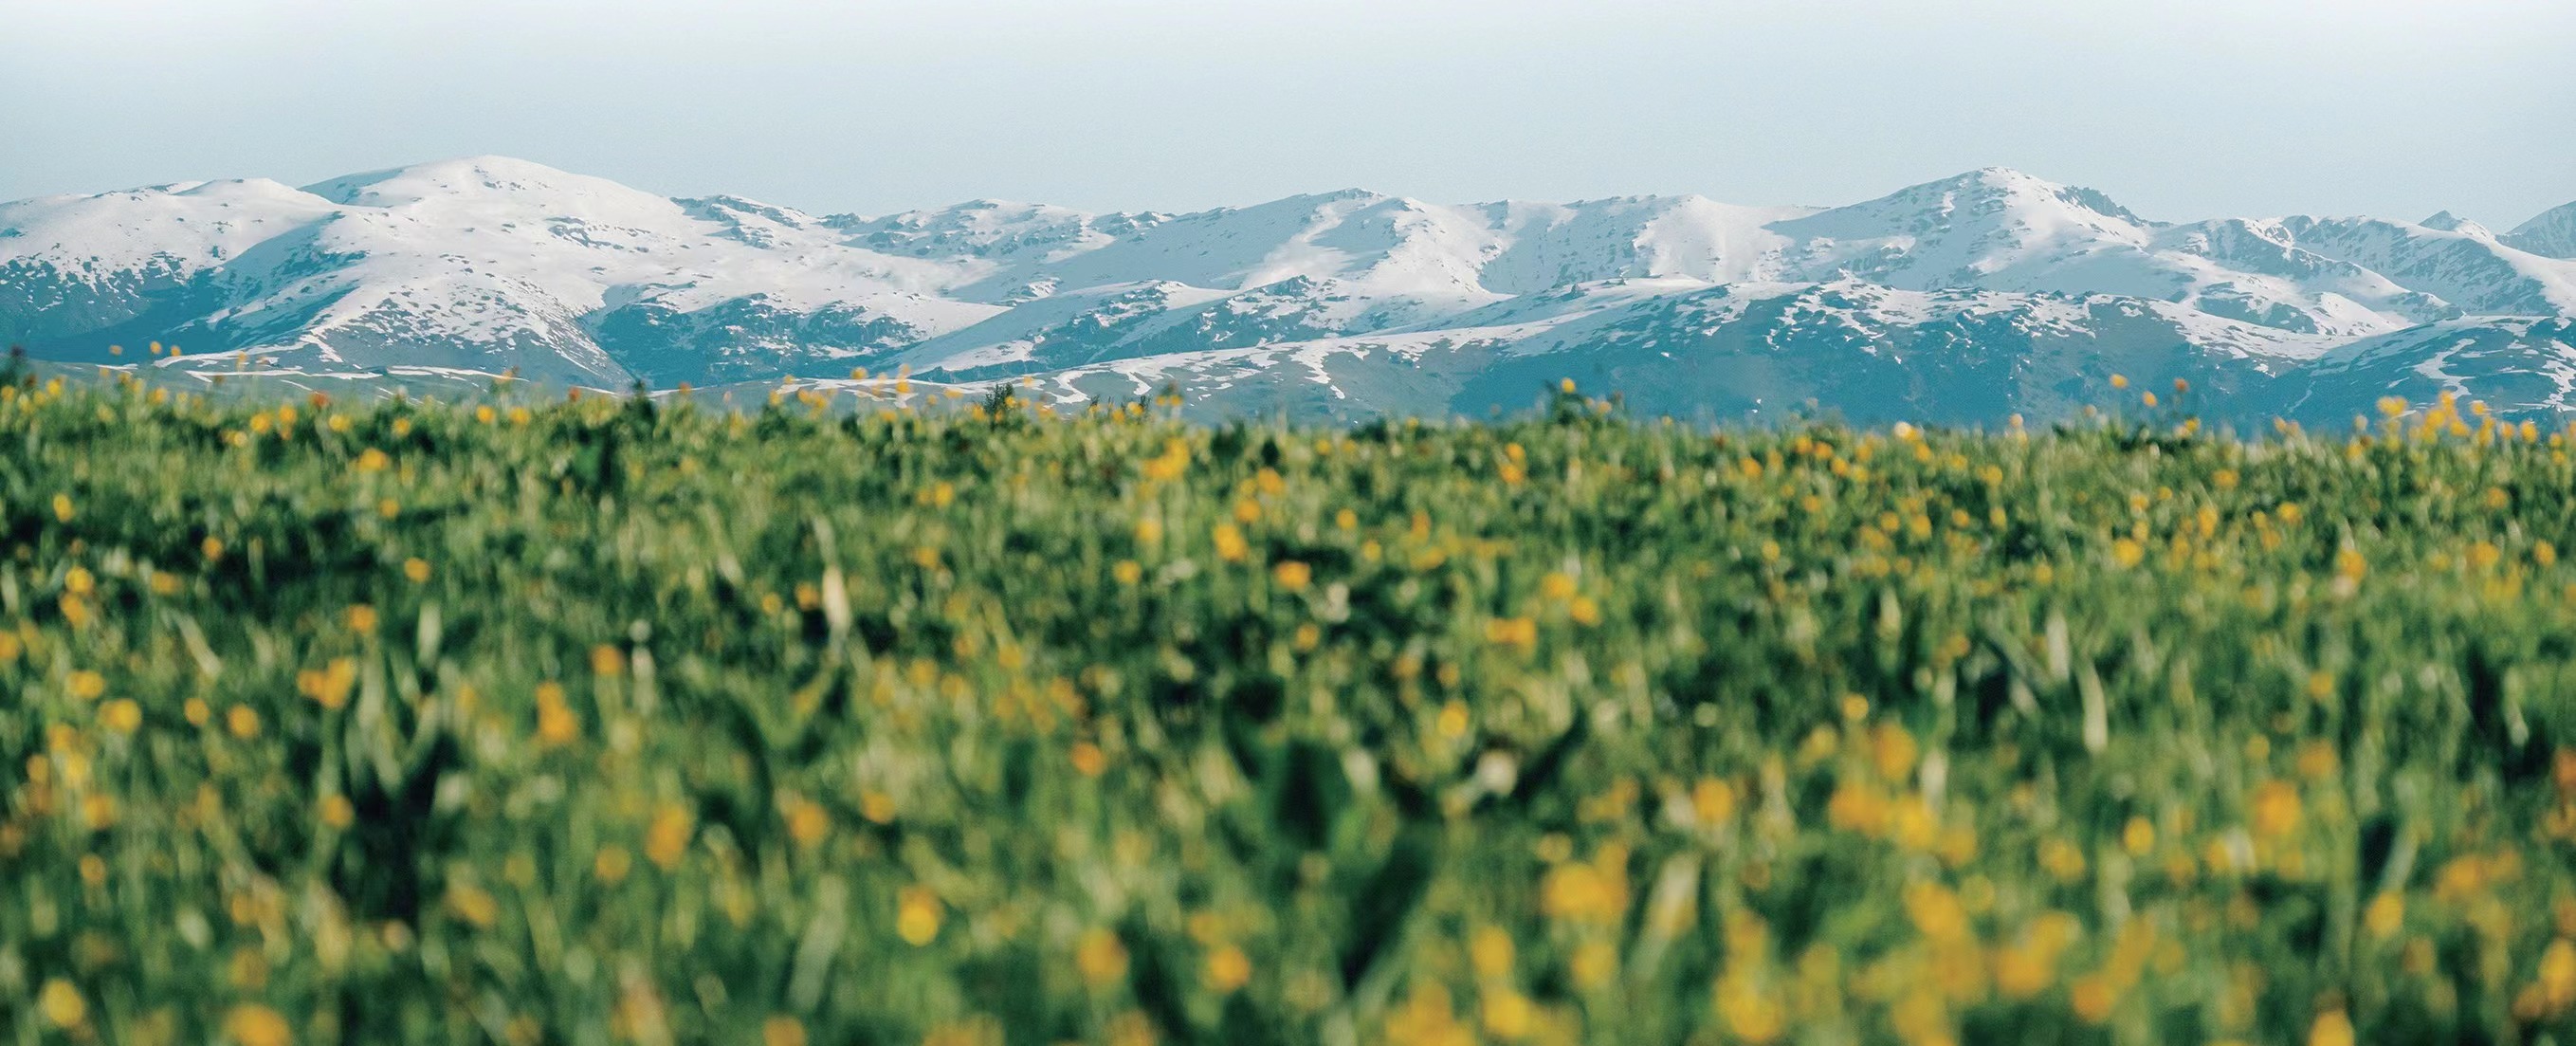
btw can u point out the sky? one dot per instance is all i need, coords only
(2180, 109)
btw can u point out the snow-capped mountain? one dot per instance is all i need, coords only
(1965, 299)
(2552, 235)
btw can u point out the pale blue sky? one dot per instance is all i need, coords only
(2180, 108)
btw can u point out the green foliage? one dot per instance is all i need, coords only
(629, 721)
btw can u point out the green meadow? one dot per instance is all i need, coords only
(615, 720)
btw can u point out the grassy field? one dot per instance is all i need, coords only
(612, 721)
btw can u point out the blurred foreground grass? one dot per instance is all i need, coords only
(613, 721)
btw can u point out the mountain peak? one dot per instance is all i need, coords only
(2552, 234)
(468, 175)
(1992, 179)
(1986, 195)
(2022, 189)
(1322, 199)
(2006, 176)
(2449, 222)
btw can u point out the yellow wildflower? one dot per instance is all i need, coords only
(2275, 806)
(329, 686)
(1713, 801)
(1292, 575)
(1425, 1018)
(1230, 545)
(1584, 611)
(62, 1004)
(1593, 964)
(2332, 1028)
(2557, 975)
(2385, 915)
(2061, 859)
(1170, 464)
(2022, 971)
(916, 917)
(251, 1024)
(1505, 1013)
(2484, 555)
(2092, 997)
(611, 864)
(2138, 836)
(473, 904)
(1087, 758)
(2127, 553)
(666, 840)
(1893, 751)
(808, 822)
(1858, 808)
(1556, 587)
(1936, 912)
(1751, 1014)
(1490, 950)
(1588, 891)
(1227, 970)
(557, 723)
(1100, 957)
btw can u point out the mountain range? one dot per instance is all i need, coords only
(1957, 301)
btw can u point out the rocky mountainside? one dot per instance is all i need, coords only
(1962, 300)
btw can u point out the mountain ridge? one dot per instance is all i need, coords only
(1330, 304)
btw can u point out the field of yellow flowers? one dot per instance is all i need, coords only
(632, 721)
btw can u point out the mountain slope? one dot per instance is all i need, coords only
(1967, 298)
(2551, 235)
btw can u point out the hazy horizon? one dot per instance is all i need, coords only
(2180, 110)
